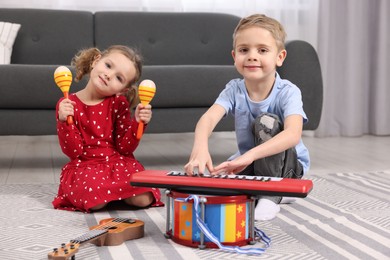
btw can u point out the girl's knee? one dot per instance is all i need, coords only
(143, 200)
(98, 207)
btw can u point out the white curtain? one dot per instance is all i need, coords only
(353, 46)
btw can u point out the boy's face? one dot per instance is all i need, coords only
(256, 54)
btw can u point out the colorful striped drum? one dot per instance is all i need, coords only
(227, 217)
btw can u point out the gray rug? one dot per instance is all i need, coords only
(347, 216)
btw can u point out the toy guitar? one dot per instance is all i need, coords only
(109, 232)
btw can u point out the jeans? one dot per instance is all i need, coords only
(284, 164)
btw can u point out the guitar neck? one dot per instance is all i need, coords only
(66, 251)
(112, 231)
(91, 235)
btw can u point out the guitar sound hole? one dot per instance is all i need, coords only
(112, 228)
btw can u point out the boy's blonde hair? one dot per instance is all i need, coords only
(265, 22)
(84, 59)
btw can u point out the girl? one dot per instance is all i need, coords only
(101, 141)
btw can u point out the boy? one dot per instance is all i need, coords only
(268, 113)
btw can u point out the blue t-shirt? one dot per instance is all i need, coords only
(285, 99)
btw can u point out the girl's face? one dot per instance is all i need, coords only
(112, 74)
(256, 54)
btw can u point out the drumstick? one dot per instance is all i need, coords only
(63, 79)
(146, 91)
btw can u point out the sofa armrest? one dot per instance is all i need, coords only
(302, 67)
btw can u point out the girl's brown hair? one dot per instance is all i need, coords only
(84, 59)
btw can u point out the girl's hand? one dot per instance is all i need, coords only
(143, 113)
(65, 109)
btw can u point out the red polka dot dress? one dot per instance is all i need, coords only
(100, 145)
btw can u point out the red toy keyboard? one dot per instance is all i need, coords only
(222, 184)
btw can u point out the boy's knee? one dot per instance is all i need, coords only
(266, 126)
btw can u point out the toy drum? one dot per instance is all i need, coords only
(228, 218)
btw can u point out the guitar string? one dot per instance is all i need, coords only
(111, 223)
(105, 226)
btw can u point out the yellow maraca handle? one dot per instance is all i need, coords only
(140, 130)
(146, 92)
(69, 119)
(63, 79)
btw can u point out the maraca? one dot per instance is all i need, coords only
(146, 91)
(63, 79)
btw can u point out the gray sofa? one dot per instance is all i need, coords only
(188, 55)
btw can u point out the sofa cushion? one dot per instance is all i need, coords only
(8, 33)
(49, 36)
(188, 86)
(31, 86)
(170, 38)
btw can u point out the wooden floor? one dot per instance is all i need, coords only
(38, 159)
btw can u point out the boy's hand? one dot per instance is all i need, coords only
(143, 113)
(233, 167)
(200, 161)
(65, 109)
